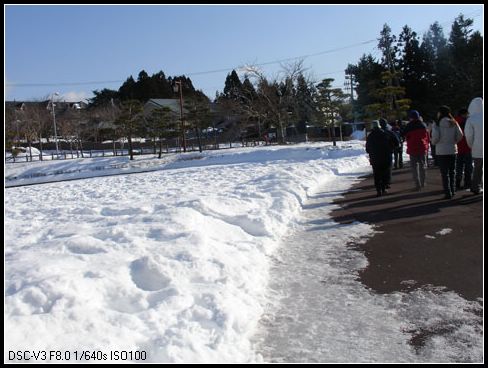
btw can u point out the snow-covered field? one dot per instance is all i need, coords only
(168, 265)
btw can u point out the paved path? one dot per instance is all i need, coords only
(413, 244)
(329, 305)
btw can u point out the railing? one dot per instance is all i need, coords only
(192, 146)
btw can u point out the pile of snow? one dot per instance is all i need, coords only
(359, 135)
(173, 265)
(24, 151)
(173, 262)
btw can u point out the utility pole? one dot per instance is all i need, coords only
(54, 121)
(393, 75)
(349, 83)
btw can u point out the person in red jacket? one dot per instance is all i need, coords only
(417, 138)
(464, 160)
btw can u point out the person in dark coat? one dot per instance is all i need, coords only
(395, 141)
(379, 146)
(398, 152)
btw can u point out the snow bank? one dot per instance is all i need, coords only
(359, 135)
(173, 262)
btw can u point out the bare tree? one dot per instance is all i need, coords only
(275, 100)
(39, 122)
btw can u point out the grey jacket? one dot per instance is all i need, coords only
(445, 136)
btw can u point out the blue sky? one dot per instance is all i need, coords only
(59, 45)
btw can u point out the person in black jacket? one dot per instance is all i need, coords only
(396, 143)
(379, 146)
(398, 152)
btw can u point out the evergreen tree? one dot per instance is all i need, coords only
(161, 124)
(329, 101)
(434, 72)
(465, 66)
(103, 97)
(233, 87)
(198, 115)
(414, 77)
(367, 74)
(391, 105)
(305, 105)
(248, 92)
(475, 56)
(130, 121)
(437, 57)
(128, 90)
(386, 44)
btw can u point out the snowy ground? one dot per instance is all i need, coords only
(176, 262)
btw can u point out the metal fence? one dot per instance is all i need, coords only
(67, 152)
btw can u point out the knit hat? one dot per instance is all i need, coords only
(413, 114)
(383, 123)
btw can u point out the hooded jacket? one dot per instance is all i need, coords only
(474, 127)
(445, 136)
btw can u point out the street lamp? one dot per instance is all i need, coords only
(54, 122)
(178, 86)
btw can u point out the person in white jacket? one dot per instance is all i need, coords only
(474, 137)
(445, 134)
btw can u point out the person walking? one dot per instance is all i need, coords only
(445, 134)
(398, 151)
(395, 141)
(464, 160)
(379, 146)
(417, 138)
(474, 138)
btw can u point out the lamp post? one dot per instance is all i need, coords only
(54, 122)
(179, 86)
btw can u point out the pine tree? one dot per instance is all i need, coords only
(329, 101)
(130, 121)
(161, 124)
(103, 97)
(391, 105)
(465, 66)
(304, 106)
(367, 74)
(436, 53)
(233, 87)
(127, 90)
(198, 116)
(414, 77)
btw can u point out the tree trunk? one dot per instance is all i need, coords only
(30, 149)
(40, 146)
(333, 135)
(129, 139)
(199, 140)
(160, 147)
